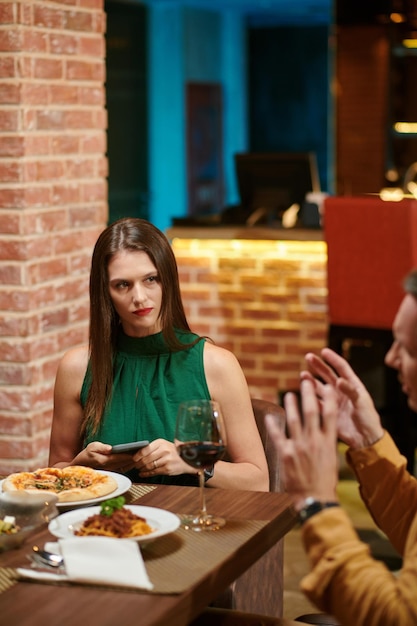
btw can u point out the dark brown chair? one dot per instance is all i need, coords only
(321, 619)
(260, 589)
(226, 617)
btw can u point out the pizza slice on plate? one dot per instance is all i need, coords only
(70, 484)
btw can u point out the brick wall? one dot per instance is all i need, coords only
(264, 300)
(53, 204)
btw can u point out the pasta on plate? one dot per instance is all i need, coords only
(122, 523)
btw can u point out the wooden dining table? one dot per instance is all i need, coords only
(189, 570)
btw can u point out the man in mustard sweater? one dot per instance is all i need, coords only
(345, 580)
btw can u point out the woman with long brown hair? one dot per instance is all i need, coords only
(142, 361)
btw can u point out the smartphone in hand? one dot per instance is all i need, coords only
(132, 447)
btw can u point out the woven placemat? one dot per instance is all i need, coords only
(175, 562)
(137, 491)
(7, 578)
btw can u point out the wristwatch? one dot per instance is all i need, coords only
(311, 506)
(208, 473)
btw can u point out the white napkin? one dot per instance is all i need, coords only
(97, 560)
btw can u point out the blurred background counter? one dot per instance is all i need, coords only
(261, 292)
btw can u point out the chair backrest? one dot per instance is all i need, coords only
(261, 408)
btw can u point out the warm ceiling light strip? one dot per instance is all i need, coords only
(406, 127)
(410, 43)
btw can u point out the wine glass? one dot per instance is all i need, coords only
(200, 438)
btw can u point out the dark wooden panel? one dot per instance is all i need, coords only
(204, 148)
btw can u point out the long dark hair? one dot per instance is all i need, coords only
(126, 234)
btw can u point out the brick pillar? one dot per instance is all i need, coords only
(53, 205)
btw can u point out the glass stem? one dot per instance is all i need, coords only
(203, 510)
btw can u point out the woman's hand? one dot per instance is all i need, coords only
(98, 455)
(359, 424)
(160, 457)
(309, 452)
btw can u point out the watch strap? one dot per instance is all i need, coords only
(311, 506)
(208, 473)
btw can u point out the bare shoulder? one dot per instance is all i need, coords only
(218, 359)
(74, 363)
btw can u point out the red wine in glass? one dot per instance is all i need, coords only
(201, 454)
(200, 438)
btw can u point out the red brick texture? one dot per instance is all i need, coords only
(266, 301)
(53, 205)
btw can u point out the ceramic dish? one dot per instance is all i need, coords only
(164, 522)
(123, 484)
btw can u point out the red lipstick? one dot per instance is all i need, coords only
(142, 312)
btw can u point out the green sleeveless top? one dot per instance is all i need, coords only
(150, 382)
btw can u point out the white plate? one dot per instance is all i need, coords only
(123, 484)
(164, 522)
